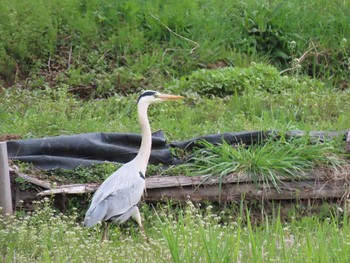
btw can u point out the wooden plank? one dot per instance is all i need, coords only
(158, 182)
(155, 182)
(319, 183)
(70, 189)
(234, 192)
(289, 190)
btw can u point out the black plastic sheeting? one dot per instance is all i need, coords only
(252, 137)
(68, 152)
(230, 137)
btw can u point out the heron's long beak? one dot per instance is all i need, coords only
(170, 97)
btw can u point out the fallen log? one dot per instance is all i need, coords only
(228, 192)
(315, 185)
(156, 182)
(70, 189)
(320, 189)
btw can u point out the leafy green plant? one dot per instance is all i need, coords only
(83, 174)
(265, 32)
(23, 184)
(231, 80)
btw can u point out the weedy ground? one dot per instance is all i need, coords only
(98, 47)
(191, 234)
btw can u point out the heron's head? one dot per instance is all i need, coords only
(151, 96)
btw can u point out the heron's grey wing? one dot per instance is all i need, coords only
(116, 203)
(121, 179)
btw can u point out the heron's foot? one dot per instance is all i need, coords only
(104, 238)
(143, 233)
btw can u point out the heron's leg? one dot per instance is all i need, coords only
(105, 231)
(137, 217)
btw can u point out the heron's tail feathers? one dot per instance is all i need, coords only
(95, 215)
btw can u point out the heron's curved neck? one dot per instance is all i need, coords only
(146, 144)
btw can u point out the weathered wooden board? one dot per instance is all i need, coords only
(232, 188)
(159, 182)
(319, 189)
(70, 189)
(156, 182)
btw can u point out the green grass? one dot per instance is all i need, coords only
(268, 161)
(265, 101)
(143, 43)
(188, 235)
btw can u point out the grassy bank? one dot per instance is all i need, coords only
(254, 98)
(99, 47)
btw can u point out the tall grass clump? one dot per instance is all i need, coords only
(197, 236)
(268, 161)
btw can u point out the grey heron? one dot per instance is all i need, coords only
(117, 198)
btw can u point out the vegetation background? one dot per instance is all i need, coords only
(102, 47)
(74, 66)
(55, 53)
